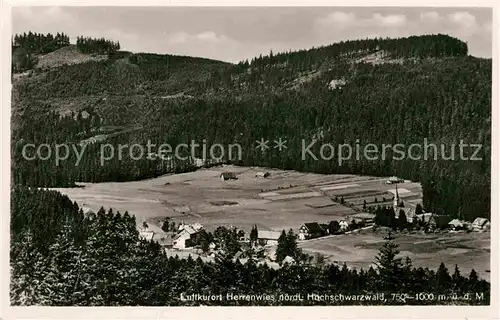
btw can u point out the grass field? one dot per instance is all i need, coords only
(467, 250)
(284, 200)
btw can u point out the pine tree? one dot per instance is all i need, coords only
(472, 281)
(254, 235)
(389, 266)
(402, 222)
(292, 249)
(29, 274)
(443, 279)
(282, 248)
(165, 226)
(64, 270)
(457, 279)
(418, 209)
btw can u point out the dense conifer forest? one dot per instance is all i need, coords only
(424, 87)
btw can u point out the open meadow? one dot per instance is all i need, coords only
(284, 200)
(358, 249)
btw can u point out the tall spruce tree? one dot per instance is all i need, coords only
(389, 265)
(282, 248)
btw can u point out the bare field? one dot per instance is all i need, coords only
(467, 250)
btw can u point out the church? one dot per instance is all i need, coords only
(398, 205)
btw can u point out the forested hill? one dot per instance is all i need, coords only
(380, 91)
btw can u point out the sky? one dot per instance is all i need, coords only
(236, 33)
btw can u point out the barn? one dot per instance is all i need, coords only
(224, 176)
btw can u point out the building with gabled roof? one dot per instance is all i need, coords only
(146, 235)
(186, 236)
(439, 221)
(480, 224)
(456, 224)
(265, 237)
(344, 225)
(227, 176)
(311, 230)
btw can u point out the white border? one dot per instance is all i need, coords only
(347, 312)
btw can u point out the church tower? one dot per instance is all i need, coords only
(396, 198)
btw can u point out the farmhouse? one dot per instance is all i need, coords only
(439, 221)
(344, 225)
(393, 180)
(480, 224)
(367, 218)
(146, 235)
(228, 176)
(186, 236)
(265, 237)
(164, 240)
(456, 224)
(261, 174)
(311, 230)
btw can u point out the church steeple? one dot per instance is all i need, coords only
(396, 198)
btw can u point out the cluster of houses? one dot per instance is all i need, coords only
(446, 222)
(478, 225)
(180, 239)
(311, 230)
(436, 221)
(186, 235)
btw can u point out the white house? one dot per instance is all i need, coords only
(480, 224)
(183, 239)
(268, 237)
(344, 225)
(146, 235)
(393, 180)
(456, 224)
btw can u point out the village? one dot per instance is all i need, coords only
(190, 239)
(340, 218)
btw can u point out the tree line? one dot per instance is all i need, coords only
(96, 45)
(33, 42)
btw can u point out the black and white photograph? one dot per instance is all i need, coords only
(249, 156)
